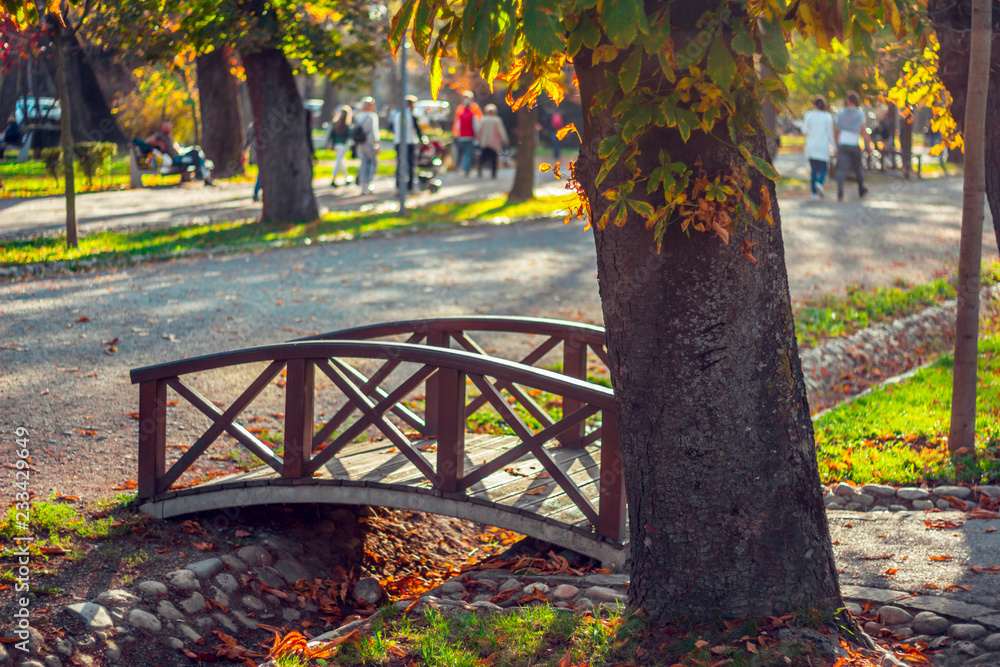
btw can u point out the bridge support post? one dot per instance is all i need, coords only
(152, 436)
(432, 392)
(611, 513)
(299, 404)
(451, 428)
(574, 365)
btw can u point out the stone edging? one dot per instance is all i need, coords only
(884, 498)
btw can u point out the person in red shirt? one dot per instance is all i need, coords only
(464, 130)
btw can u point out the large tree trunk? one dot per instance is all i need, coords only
(523, 188)
(222, 126)
(952, 21)
(92, 118)
(725, 506)
(279, 122)
(9, 91)
(962, 433)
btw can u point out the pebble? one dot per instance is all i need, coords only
(992, 643)
(843, 489)
(872, 628)
(863, 499)
(509, 585)
(486, 605)
(923, 505)
(889, 615)
(144, 620)
(224, 621)
(93, 616)
(244, 619)
(252, 603)
(606, 579)
(449, 587)
(292, 570)
(912, 493)
(235, 563)
(31, 663)
(204, 623)
(173, 642)
(169, 612)
(269, 576)
(255, 555)
(291, 615)
(117, 598)
(603, 594)
(206, 569)
(227, 582)
(194, 604)
(189, 632)
(961, 492)
(967, 631)
(63, 646)
(52, 661)
(152, 588)
(183, 579)
(929, 623)
(881, 490)
(112, 651)
(220, 596)
(568, 592)
(536, 587)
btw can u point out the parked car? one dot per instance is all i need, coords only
(41, 110)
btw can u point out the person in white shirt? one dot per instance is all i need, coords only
(414, 137)
(367, 122)
(817, 125)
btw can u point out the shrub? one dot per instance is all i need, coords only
(94, 157)
(53, 160)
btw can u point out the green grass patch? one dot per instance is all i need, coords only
(336, 226)
(897, 434)
(822, 317)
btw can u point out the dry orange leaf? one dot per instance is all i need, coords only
(945, 557)
(891, 571)
(53, 551)
(701, 643)
(951, 587)
(82, 319)
(536, 491)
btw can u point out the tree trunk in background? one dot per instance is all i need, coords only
(906, 143)
(66, 135)
(9, 91)
(279, 121)
(523, 188)
(962, 434)
(952, 20)
(725, 509)
(329, 103)
(222, 127)
(92, 118)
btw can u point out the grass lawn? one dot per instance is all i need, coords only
(898, 433)
(335, 226)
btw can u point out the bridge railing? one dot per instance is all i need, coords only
(577, 341)
(441, 370)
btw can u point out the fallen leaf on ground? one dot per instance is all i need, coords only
(945, 557)
(951, 587)
(82, 319)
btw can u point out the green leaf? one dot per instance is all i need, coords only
(589, 32)
(629, 75)
(743, 43)
(666, 67)
(636, 121)
(542, 30)
(645, 209)
(423, 22)
(687, 120)
(623, 20)
(400, 23)
(659, 33)
(764, 167)
(772, 43)
(721, 66)
(608, 146)
(609, 163)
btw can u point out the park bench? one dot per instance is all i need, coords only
(553, 474)
(141, 163)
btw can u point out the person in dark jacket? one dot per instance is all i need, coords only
(11, 135)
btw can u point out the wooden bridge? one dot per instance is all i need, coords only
(550, 467)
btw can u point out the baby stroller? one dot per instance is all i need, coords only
(430, 161)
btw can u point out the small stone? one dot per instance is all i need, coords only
(584, 605)
(985, 660)
(923, 505)
(194, 604)
(63, 646)
(912, 493)
(854, 608)
(86, 641)
(966, 631)
(606, 580)
(915, 639)
(52, 661)
(961, 492)
(188, 632)
(938, 642)
(118, 615)
(272, 600)
(227, 582)
(255, 555)
(568, 592)
(112, 651)
(835, 501)
(117, 598)
(370, 591)
(224, 621)
(536, 587)
(291, 615)
(31, 663)
(942, 504)
(482, 597)
(992, 643)
(292, 570)
(219, 596)
(993, 491)
(204, 623)
(282, 545)
(152, 588)
(863, 499)
(902, 631)
(399, 606)
(173, 642)
(853, 507)
(898, 508)
(486, 605)
(449, 587)
(169, 612)
(235, 563)
(144, 620)
(889, 615)
(844, 489)
(244, 619)
(101, 636)
(929, 623)
(183, 579)
(509, 585)
(879, 490)
(93, 616)
(252, 603)
(872, 628)
(206, 569)
(603, 594)
(270, 576)
(967, 647)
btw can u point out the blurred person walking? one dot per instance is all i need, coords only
(338, 138)
(366, 141)
(491, 137)
(817, 125)
(467, 118)
(414, 137)
(850, 130)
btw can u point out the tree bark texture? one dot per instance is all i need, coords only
(523, 187)
(65, 138)
(9, 91)
(279, 122)
(962, 433)
(725, 508)
(222, 125)
(952, 20)
(92, 119)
